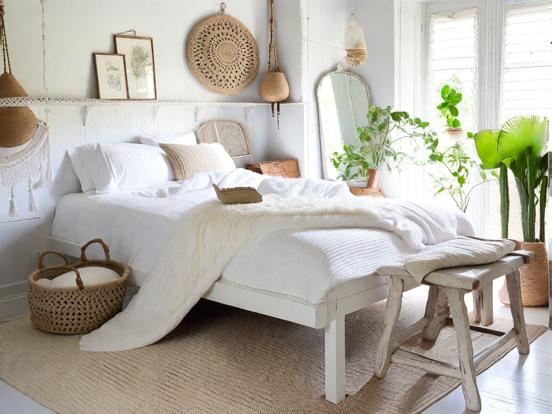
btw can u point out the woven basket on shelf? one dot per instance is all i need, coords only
(79, 309)
(283, 168)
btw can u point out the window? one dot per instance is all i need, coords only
(452, 59)
(527, 73)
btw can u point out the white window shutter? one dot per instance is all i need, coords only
(527, 70)
(453, 59)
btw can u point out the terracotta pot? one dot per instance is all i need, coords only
(455, 132)
(372, 178)
(534, 278)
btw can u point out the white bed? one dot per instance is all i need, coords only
(313, 277)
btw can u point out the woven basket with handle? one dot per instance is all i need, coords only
(79, 309)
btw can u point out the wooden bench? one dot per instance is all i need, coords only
(447, 288)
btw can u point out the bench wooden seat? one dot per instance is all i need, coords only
(446, 299)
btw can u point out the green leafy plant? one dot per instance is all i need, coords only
(456, 166)
(520, 147)
(380, 143)
(448, 108)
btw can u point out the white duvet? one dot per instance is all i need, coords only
(205, 240)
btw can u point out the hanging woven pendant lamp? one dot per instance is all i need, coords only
(17, 124)
(274, 86)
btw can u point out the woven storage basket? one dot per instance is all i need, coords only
(79, 309)
(274, 87)
(534, 277)
(283, 168)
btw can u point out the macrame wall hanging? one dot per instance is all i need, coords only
(222, 54)
(24, 146)
(274, 86)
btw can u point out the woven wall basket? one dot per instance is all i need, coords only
(222, 54)
(79, 309)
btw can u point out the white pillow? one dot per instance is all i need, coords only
(129, 166)
(188, 138)
(80, 158)
(93, 275)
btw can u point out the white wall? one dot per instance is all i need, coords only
(377, 19)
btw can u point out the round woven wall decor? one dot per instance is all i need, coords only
(222, 54)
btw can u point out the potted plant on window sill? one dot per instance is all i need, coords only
(521, 148)
(448, 110)
(379, 145)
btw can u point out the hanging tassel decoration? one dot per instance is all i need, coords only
(13, 211)
(32, 202)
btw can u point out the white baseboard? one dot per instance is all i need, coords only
(13, 300)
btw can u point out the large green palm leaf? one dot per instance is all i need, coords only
(486, 144)
(523, 134)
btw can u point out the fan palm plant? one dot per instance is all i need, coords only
(520, 147)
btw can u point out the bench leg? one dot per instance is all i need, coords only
(516, 307)
(334, 354)
(465, 348)
(440, 315)
(392, 311)
(483, 305)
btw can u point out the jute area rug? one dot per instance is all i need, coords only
(225, 360)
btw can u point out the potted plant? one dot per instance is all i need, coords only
(448, 109)
(379, 144)
(521, 148)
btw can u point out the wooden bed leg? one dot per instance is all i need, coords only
(392, 312)
(335, 359)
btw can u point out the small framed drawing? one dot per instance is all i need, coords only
(111, 76)
(140, 65)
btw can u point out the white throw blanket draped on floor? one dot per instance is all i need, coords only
(206, 240)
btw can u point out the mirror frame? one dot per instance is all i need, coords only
(320, 130)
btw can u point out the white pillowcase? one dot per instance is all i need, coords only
(80, 158)
(188, 138)
(93, 275)
(129, 166)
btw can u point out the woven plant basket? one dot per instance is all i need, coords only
(18, 124)
(79, 309)
(534, 278)
(274, 87)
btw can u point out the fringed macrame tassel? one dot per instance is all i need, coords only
(13, 211)
(32, 202)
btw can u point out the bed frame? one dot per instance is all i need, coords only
(346, 298)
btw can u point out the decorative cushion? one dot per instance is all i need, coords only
(80, 158)
(187, 160)
(93, 275)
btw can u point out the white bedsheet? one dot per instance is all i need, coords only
(304, 264)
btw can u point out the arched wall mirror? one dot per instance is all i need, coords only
(343, 100)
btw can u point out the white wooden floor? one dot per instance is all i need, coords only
(513, 385)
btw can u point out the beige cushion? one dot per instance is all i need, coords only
(187, 160)
(93, 275)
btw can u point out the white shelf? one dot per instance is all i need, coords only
(90, 102)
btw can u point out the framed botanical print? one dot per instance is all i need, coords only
(140, 65)
(111, 76)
